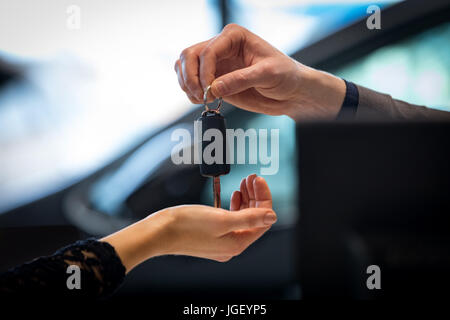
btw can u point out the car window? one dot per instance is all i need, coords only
(416, 70)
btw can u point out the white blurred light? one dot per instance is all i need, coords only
(125, 52)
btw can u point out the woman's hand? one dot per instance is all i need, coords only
(199, 231)
(251, 74)
(220, 234)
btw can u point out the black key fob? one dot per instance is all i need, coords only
(214, 149)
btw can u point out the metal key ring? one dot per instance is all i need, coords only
(205, 98)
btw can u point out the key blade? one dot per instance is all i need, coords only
(216, 192)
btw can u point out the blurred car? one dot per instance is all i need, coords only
(143, 179)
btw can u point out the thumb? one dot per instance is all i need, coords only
(238, 81)
(249, 218)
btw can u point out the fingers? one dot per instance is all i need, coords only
(262, 193)
(244, 194)
(252, 100)
(227, 44)
(235, 202)
(181, 82)
(251, 191)
(248, 219)
(254, 193)
(190, 68)
(240, 80)
(197, 64)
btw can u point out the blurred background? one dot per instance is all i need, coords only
(89, 97)
(81, 97)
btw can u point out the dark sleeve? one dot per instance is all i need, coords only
(350, 104)
(101, 273)
(361, 103)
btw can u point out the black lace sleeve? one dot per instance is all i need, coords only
(97, 264)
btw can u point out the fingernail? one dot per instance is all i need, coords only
(220, 88)
(270, 218)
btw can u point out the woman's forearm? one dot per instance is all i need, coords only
(142, 240)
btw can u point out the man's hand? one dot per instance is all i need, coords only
(251, 74)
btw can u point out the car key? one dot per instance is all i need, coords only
(213, 119)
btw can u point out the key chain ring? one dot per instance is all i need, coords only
(205, 98)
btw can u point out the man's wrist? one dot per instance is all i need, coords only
(329, 93)
(320, 92)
